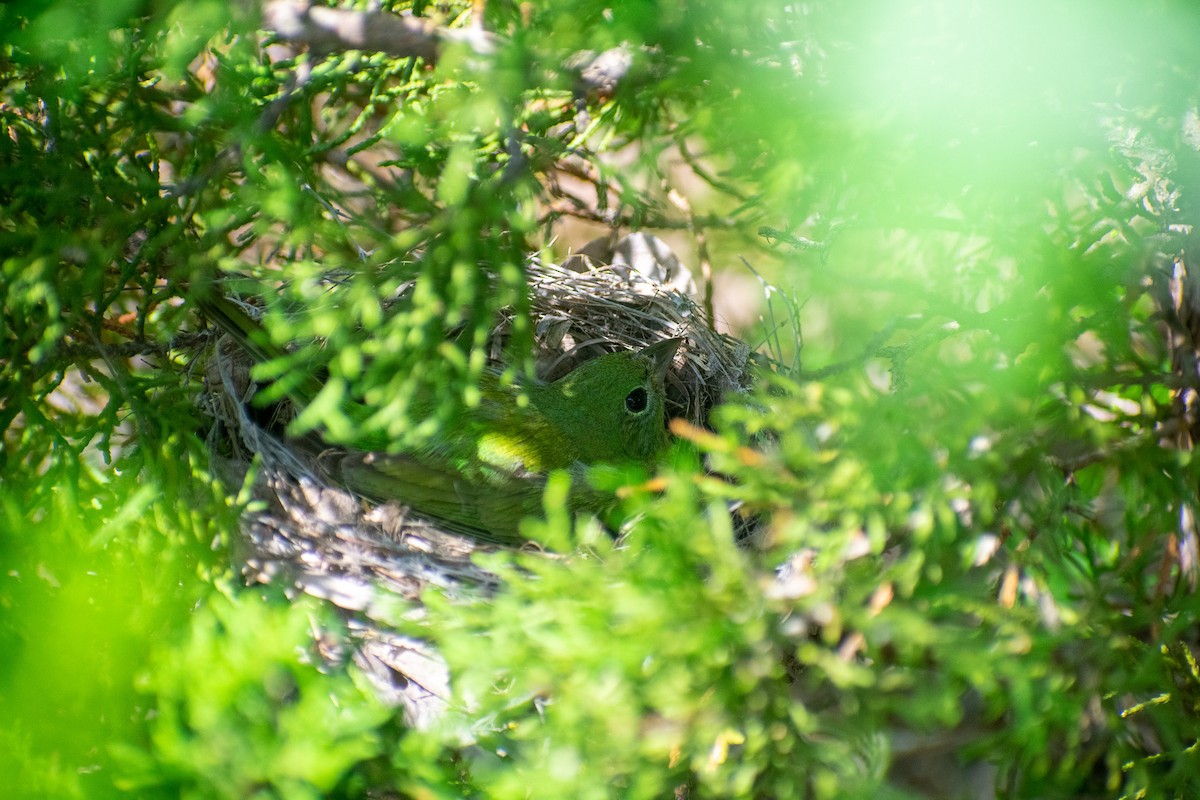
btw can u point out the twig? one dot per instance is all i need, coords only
(650, 221)
(771, 234)
(1105, 380)
(1069, 464)
(703, 174)
(873, 348)
(772, 334)
(706, 271)
(74, 353)
(231, 156)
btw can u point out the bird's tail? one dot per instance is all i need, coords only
(246, 331)
(253, 338)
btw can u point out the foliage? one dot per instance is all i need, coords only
(238, 714)
(967, 566)
(97, 567)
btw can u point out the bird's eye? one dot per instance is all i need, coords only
(636, 400)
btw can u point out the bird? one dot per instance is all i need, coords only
(488, 471)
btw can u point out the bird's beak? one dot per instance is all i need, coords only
(662, 355)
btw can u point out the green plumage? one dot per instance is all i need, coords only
(489, 471)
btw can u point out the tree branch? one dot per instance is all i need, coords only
(335, 29)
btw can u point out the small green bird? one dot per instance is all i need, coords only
(486, 474)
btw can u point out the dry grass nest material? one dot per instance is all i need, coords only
(579, 315)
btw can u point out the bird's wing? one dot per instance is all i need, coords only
(488, 507)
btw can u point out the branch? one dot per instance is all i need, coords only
(646, 221)
(1073, 462)
(772, 235)
(335, 29)
(874, 348)
(76, 353)
(1108, 380)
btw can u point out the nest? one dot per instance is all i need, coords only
(313, 537)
